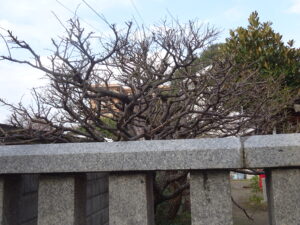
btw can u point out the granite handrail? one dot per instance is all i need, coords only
(61, 171)
(208, 153)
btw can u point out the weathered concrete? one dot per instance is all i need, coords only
(264, 151)
(56, 201)
(283, 186)
(131, 199)
(122, 156)
(210, 198)
(63, 199)
(21, 199)
(280, 150)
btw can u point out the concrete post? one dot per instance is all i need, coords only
(210, 198)
(131, 199)
(283, 188)
(264, 189)
(59, 202)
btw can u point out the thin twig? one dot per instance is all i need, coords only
(241, 208)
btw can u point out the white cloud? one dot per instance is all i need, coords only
(234, 13)
(295, 7)
(16, 82)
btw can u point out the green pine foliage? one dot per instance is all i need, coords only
(260, 44)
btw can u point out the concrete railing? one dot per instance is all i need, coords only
(64, 170)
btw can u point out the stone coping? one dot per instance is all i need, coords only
(282, 150)
(214, 153)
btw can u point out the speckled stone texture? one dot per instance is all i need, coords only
(205, 153)
(210, 198)
(56, 200)
(131, 199)
(283, 186)
(264, 151)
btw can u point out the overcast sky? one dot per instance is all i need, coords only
(34, 21)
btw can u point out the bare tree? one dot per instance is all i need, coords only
(170, 93)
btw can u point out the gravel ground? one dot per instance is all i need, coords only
(241, 192)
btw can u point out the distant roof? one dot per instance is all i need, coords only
(8, 127)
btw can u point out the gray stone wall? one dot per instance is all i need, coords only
(278, 153)
(131, 199)
(21, 199)
(210, 198)
(283, 186)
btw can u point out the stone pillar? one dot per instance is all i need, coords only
(283, 188)
(210, 198)
(264, 189)
(61, 200)
(131, 199)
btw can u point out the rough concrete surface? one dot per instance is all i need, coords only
(56, 200)
(122, 156)
(210, 198)
(280, 150)
(131, 199)
(284, 197)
